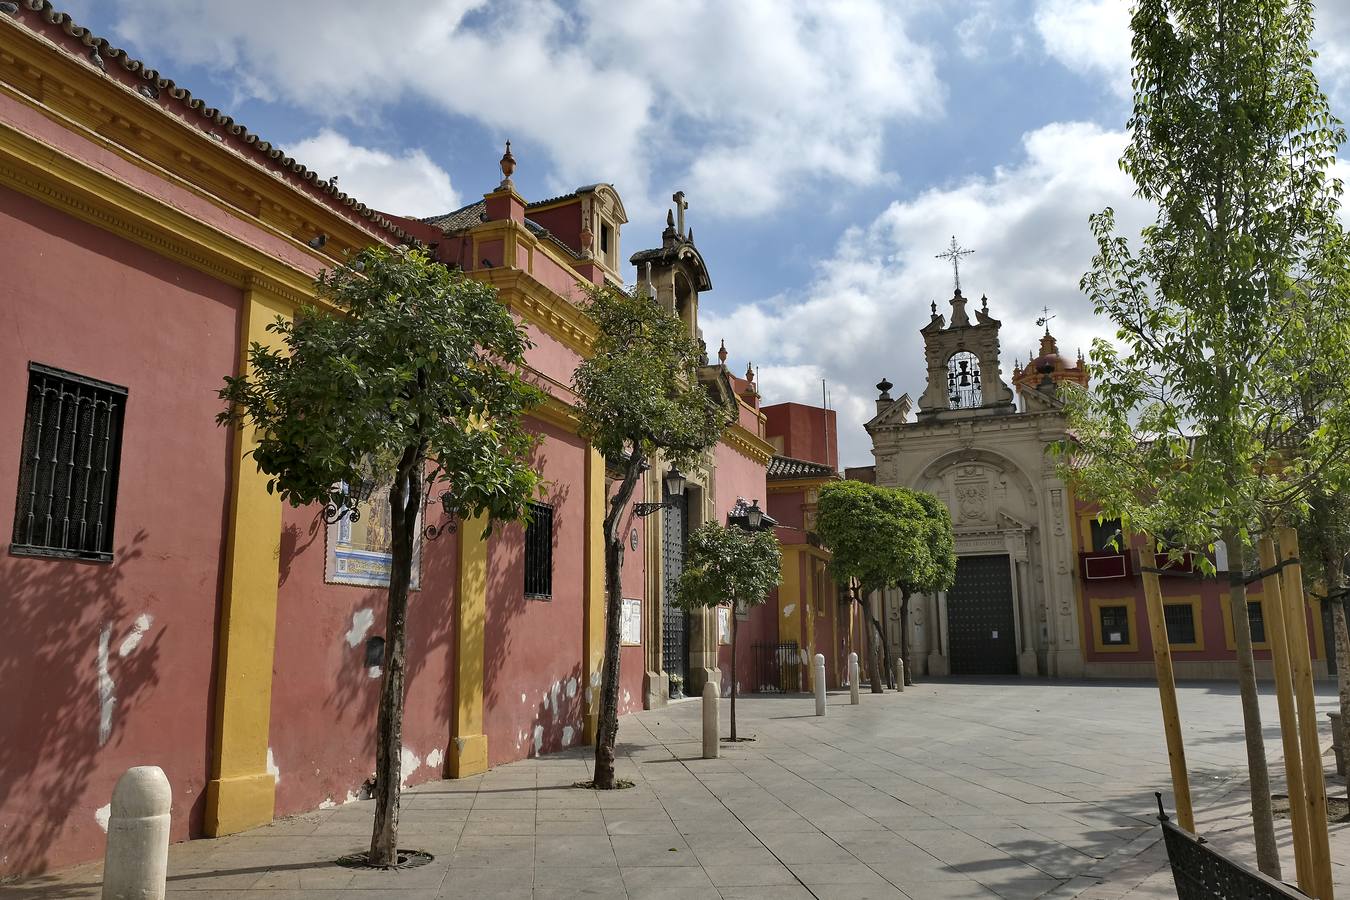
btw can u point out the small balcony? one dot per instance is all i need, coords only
(1106, 565)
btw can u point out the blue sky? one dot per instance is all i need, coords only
(828, 149)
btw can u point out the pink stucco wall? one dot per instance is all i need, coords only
(81, 299)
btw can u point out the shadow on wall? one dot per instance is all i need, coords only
(509, 672)
(356, 686)
(74, 667)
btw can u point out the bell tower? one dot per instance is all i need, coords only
(964, 377)
(675, 273)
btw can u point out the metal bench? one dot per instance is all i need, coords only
(1203, 873)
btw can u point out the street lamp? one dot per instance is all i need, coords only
(749, 517)
(675, 482)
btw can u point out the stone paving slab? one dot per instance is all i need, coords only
(950, 790)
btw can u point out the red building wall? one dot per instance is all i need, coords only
(807, 432)
(78, 298)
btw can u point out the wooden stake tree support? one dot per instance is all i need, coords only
(1167, 693)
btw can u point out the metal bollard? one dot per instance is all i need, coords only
(853, 674)
(136, 862)
(710, 704)
(820, 684)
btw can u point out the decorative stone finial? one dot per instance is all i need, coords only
(984, 303)
(750, 372)
(722, 353)
(933, 306)
(884, 385)
(587, 236)
(670, 218)
(508, 164)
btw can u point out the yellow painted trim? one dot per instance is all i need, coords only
(558, 413)
(1226, 605)
(593, 624)
(241, 793)
(747, 443)
(790, 597)
(1197, 616)
(62, 182)
(787, 485)
(532, 301)
(112, 115)
(468, 745)
(1094, 612)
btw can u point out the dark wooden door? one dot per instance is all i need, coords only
(674, 621)
(981, 629)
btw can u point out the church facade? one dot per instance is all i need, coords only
(1013, 608)
(1041, 587)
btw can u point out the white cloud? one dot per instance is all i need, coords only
(1091, 37)
(742, 100)
(408, 185)
(860, 317)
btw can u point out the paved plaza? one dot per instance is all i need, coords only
(953, 789)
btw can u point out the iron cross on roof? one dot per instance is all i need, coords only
(1045, 318)
(954, 253)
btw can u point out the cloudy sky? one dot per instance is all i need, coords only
(828, 149)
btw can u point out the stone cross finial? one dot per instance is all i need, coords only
(954, 253)
(680, 207)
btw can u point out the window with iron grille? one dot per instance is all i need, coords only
(72, 442)
(539, 552)
(1180, 618)
(1115, 622)
(1257, 616)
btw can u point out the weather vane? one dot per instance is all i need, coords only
(1045, 318)
(954, 253)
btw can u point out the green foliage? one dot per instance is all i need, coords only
(886, 537)
(638, 392)
(1225, 313)
(420, 358)
(728, 565)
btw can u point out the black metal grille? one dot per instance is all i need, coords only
(1203, 873)
(674, 621)
(778, 668)
(1180, 618)
(539, 552)
(1115, 625)
(72, 441)
(981, 627)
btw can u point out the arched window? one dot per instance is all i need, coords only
(963, 381)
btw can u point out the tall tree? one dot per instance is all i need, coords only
(727, 564)
(416, 381)
(868, 544)
(930, 566)
(1230, 138)
(638, 399)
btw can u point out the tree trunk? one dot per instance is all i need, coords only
(733, 671)
(405, 497)
(1263, 821)
(904, 637)
(607, 728)
(1332, 581)
(874, 647)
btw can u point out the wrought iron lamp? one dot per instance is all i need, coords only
(749, 516)
(675, 482)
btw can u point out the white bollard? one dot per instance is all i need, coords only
(899, 674)
(136, 862)
(820, 684)
(710, 704)
(853, 674)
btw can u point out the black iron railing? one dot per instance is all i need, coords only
(778, 668)
(1203, 873)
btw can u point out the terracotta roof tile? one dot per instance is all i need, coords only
(786, 467)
